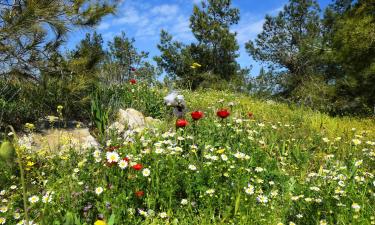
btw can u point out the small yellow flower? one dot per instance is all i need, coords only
(197, 65)
(30, 164)
(220, 151)
(100, 222)
(29, 126)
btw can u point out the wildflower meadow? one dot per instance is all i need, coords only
(230, 160)
(187, 112)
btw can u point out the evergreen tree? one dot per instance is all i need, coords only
(123, 58)
(352, 54)
(210, 25)
(215, 50)
(291, 41)
(31, 31)
(88, 55)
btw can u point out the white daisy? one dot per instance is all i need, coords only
(112, 157)
(192, 167)
(34, 199)
(99, 190)
(146, 172)
(123, 164)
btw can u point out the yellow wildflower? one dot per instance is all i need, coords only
(220, 151)
(100, 222)
(30, 164)
(197, 65)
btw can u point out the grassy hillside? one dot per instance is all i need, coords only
(279, 165)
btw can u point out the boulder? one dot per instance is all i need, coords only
(131, 119)
(64, 139)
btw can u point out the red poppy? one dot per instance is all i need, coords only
(139, 194)
(181, 123)
(133, 81)
(223, 113)
(250, 114)
(137, 166)
(197, 115)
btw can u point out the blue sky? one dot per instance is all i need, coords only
(143, 20)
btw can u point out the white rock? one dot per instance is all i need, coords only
(131, 118)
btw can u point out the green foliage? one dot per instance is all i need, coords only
(26, 27)
(88, 55)
(216, 48)
(124, 62)
(290, 41)
(335, 51)
(99, 114)
(310, 168)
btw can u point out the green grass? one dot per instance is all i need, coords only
(282, 165)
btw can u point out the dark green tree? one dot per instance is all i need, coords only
(290, 41)
(88, 55)
(351, 54)
(31, 31)
(124, 62)
(216, 48)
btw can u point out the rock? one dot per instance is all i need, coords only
(131, 119)
(64, 139)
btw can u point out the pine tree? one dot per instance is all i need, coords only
(290, 41)
(31, 31)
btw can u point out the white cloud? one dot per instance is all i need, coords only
(146, 21)
(248, 28)
(165, 10)
(103, 26)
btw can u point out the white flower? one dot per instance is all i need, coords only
(358, 163)
(326, 140)
(142, 212)
(163, 215)
(184, 202)
(249, 189)
(2, 220)
(224, 157)
(47, 198)
(97, 153)
(262, 199)
(2, 192)
(356, 207)
(34, 199)
(112, 157)
(3, 209)
(192, 167)
(99, 190)
(210, 191)
(356, 141)
(315, 188)
(159, 150)
(123, 164)
(146, 172)
(259, 169)
(16, 215)
(13, 187)
(323, 222)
